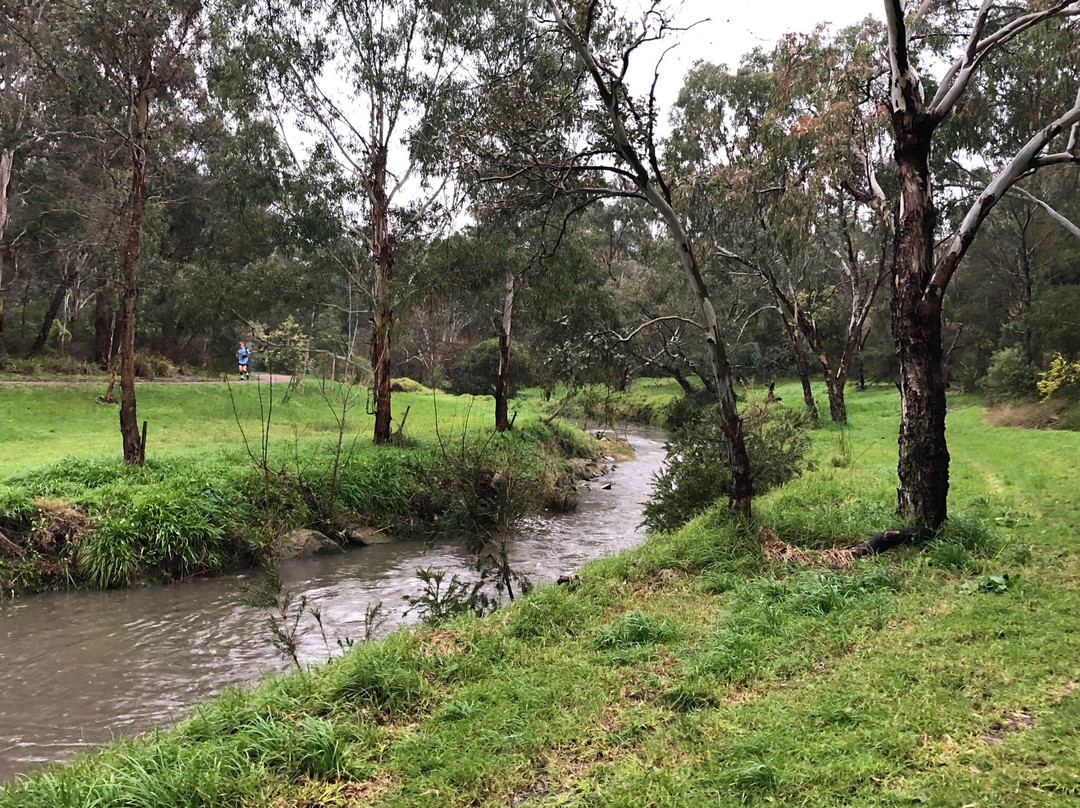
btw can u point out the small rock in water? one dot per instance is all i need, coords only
(363, 536)
(304, 542)
(605, 487)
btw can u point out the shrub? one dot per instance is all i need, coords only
(1061, 379)
(148, 366)
(696, 472)
(476, 371)
(1010, 376)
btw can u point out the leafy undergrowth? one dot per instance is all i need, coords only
(693, 671)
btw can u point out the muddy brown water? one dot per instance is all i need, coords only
(80, 668)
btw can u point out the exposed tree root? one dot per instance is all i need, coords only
(888, 539)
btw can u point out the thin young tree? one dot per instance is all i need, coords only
(357, 77)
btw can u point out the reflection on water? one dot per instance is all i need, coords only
(77, 668)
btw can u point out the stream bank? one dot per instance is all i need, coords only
(78, 667)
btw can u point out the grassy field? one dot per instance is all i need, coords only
(40, 425)
(698, 670)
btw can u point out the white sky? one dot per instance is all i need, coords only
(735, 27)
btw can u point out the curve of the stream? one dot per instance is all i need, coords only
(79, 668)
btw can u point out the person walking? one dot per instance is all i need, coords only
(242, 355)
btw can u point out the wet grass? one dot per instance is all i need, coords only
(693, 671)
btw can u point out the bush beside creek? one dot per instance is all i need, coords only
(97, 523)
(706, 667)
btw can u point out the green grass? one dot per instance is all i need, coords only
(692, 671)
(40, 425)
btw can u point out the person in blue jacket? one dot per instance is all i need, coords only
(242, 361)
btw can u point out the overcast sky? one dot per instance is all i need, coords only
(735, 27)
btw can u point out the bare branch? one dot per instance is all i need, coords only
(1053, 214)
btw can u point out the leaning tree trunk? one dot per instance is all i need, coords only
(916, 324)
(502, 383)
(50, 313)
(741, 495)
(134, 450)
(382, 250)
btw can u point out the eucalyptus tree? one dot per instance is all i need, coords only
(923, 38)
(120, 70)
(569, 124)
(789, 140)
(20, 83)
(357, 78)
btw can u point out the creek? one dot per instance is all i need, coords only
(80, 668)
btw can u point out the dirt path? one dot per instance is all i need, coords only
(264, 378)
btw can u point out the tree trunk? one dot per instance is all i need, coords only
(6, 158)
(916, 324)
(380, 366)
(502, 384)
(837, 405)
(102, 329)
(741, 494)
(684, 383)
(1023, 262)
(803, 368)
(1, 292)
(51, 312)
(134, 451)
(382, 250)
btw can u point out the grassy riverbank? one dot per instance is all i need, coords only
(72, 515)
(695, 670)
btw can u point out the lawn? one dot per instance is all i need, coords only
(72, 515)
(40, 425)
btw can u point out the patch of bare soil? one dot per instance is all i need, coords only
(1025, 415)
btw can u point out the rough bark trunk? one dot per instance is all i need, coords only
(1023, 263)
(134, 451)
(502, 383)
(1, 290)
(380, 366)
(837, 405)
(102, 329)
(382, 250)
(916, 324)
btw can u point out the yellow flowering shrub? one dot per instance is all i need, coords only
(1061, 378)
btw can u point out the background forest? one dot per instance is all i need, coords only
(358, 189)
